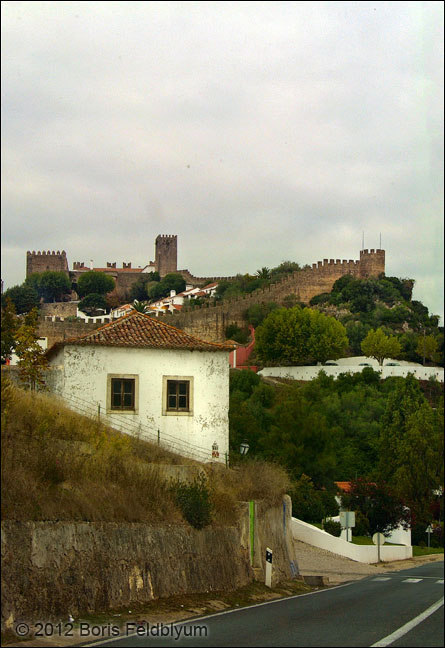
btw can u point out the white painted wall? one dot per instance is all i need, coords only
(309, 373)
(360, 553)
(398, 536)
(83, 379)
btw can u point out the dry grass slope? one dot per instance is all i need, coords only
(58, 465)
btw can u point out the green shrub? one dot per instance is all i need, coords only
(332, 527)
(194, 501)
(361, 525)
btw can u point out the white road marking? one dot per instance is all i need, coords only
(193, 620)
(412, 580)
(386, 641)
(440, 582)
(380, 579)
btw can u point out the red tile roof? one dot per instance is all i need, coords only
(344, 486)
(141, 331)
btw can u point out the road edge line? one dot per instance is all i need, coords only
(403, 630)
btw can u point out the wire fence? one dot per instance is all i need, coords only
(98, 411)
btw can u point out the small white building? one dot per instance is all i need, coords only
(144, 377)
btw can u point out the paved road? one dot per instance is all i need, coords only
(397, 608)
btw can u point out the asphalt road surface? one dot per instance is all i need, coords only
(402, 608)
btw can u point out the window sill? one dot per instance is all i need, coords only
(174, 413)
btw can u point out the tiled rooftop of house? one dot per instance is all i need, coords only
(141, 331)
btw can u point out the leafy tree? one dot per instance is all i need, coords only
(420, 471)
(379, 504)
(298, 335)
(93, 302)
(404, 400)
(427, 347)
(379, 346)
(307, 503)
(328, 337)
(9, 327)
(285, 267)
(32, 360)
(234, 332)
(98, 283)
(24, 298)
(171, 281)
(299, 438)
(411, 445)
(50, 285)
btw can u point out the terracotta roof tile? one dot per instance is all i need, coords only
(141, 331)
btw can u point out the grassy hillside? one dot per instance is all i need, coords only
(58, 465)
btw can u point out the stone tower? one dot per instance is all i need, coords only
(166, 254)
(42, 261)
(372, 263)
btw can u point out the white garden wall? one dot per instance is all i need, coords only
(360, 553)
(309, 373)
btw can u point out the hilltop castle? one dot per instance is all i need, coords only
(305, 284)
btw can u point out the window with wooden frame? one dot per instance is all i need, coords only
(177, 395)
(122, 393)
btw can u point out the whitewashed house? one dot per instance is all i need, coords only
(149, 378)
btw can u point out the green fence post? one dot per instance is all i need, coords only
(252, 529)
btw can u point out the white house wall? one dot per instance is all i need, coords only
(84, 382)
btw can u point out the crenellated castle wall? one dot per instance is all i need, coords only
(209, 322)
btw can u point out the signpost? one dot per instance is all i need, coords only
(347, 521)
(429, 530)
(378, 539)
(268, 567)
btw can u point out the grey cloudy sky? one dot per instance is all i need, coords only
(255, 131)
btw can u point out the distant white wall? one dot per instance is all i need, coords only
(309, 373)
(361, 553)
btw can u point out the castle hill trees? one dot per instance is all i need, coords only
(50, 285)
(24, 298)
(171, 281)
(299, 336)
(384, 303)
(94, 282)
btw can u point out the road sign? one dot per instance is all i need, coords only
(347, 519)
(378, 539)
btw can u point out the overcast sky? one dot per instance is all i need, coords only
(256, 131)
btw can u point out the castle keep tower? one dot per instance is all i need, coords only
(43, 261)
(166, 254)
(372, 263)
